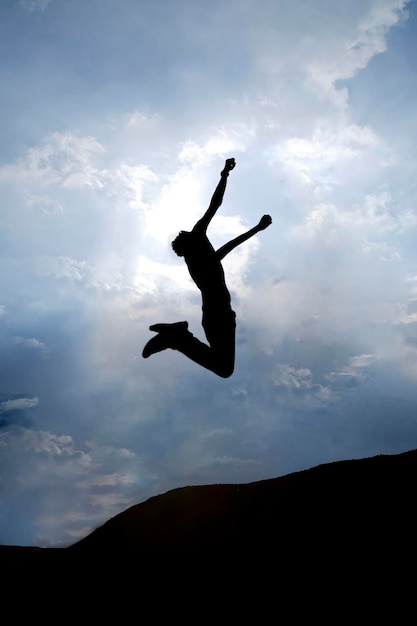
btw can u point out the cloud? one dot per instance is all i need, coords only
(57, 461)
(62, 267)
(127, 135)
(132, 179)
(352, 374)
(18, 404)
(180, 200)
(45, 204)
(28, 342)
(63, 159)
(353, 50)
(35, 5)
(362, 360)
(293, 378)
(377, 215)
(315, 160)
(299, 383)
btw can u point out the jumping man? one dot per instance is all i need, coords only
(205, 268)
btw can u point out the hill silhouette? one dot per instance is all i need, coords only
(348, 527)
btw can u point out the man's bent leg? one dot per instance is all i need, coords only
(220, 361)
(220, 330)
(218, 357)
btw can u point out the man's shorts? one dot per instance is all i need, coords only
(219, 326)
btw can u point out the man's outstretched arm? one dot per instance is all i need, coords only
(217, 198)
(264, 222)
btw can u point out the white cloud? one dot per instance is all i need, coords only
(350, 376)
(381, 251)
(377, 215)
(139, 120)
(362, 360)
(150, 274)
(180, 203)
(382, 211)
(328, 145)
(104, 273)
(63, 159)
(45, 204)
(28, 342)
(49, 443)
(412, 282)
(19, 404)
(133, 179)
(293, 378)
(62, 267)
(342, 58)
(35, 5)
(318, 161)
(223, 143)
(299, 386)
(101, 479)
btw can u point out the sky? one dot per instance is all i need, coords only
(116, 119)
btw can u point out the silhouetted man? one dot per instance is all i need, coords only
(204, 265)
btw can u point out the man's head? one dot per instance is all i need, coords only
(181, 243)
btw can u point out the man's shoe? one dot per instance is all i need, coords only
(167, 337)
(175, 327)
(156, 344)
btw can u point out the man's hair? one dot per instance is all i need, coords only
(181, 243)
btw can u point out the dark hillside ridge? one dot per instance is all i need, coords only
(346, 528)
(345, 500)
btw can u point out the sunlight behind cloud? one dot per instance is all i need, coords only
(150, 274)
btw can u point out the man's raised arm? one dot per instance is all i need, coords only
(217, 198)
